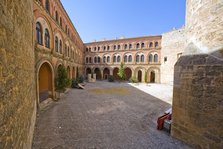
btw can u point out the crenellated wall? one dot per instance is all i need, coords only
(198, 78)
(17, 85)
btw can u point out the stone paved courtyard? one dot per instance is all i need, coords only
(104, 115)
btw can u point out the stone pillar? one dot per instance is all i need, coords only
(17, 74)
(94, 76)
(198, 78)
(89, 77)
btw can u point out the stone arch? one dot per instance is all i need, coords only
(68, 72)
(73, 72)
(88, 71)
(106, 73)
(153, 75)
(140, 74)
(59, 62)
(45, 80)
(128, 73)
(115, 73)
(97, 71)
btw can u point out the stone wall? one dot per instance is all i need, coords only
(17, 85)
(173, 44)
(198, 78)
(204, 24)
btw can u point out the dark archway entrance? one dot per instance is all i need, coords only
(73, 73)
(45, 82)
(140, 76)
(98, 73)
(68, 72)
(115, 73)
(88, 71)
(106, 73)
(152, 77)
(128, 73)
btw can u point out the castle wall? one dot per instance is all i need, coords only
(17, 85)
(173, 44)
(198, 77)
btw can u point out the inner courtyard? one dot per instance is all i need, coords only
(104, 115)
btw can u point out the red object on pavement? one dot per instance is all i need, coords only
(161, 119)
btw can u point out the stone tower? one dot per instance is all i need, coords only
(17, 85)
(198, 77)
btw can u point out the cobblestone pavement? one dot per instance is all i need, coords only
(103, 116)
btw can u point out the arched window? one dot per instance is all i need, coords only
(137, 58)
(108, 59)
(104, 59)
(119, 47)
(130, 46)
(47, 38)
(56, 16)
(114, 47)
(125, 46)
(86, 49)
(150, 58)
(137, 45)
(125, 59)
(65, 47)
(98, 48)
(95, 59)
(155, 58)
(61, 47)
(56, 44)
(61, 22)
(68, 51)
(95, 48)
(119, 59)
(114, 59)
(142, 58)
(150, 44)
(130, 58)
(99, 59)
(86, 59)
(39, 33)
(90, 61)
(142, 45)
(108, 47)
(47, 5)
(156, 44)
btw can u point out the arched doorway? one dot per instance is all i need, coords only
(115, 73)
(45, 82)
(128, 73)
(88, 71)
(98, 73)
(140, 76)
(73, 73)
(68, 72)
(152, 77)
(106, 73)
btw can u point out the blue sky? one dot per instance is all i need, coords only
(98, 19)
